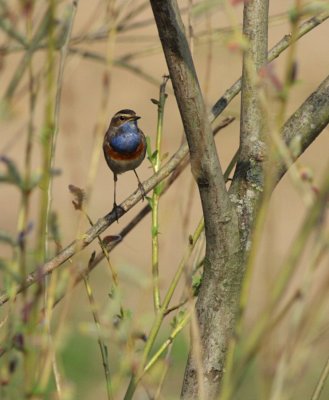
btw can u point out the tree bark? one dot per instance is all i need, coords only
(219, 293)
(248, 181)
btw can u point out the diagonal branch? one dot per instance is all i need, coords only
(100, 226)
(274, 53)
(305, 124)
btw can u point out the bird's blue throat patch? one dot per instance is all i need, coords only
(127, 139)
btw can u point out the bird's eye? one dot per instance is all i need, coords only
(122, 118)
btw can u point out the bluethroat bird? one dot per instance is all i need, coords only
(124, 147)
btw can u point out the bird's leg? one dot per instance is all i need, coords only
(115, 206)
(140, 186)
(115, 179)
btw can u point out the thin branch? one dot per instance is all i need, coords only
(322, 380)
(101, 343)
(121, 62)
(282, 45)
(305, 124)
(178, 159)
(36, 40)
(100, 226)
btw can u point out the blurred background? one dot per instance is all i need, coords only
(115, 61)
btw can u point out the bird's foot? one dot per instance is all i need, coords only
(141, 188)
(118, 210)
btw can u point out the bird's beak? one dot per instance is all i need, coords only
(135, 117)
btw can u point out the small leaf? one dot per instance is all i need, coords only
(155, 231)
(293, 72)
(159, 189)
(23, 234)
(79, 196)
(306, 174)
(154, 155)
(149, 200)
(13, 176)
(295, 145)
(178, 318)
(54, 228)
(127, 314)
(34, 181)
(196, 284)
(111, 293)
(139, 335)
(164, 156)
(148, 148)
(106, 352)
(6, 238)
(111, 239)
(6, 268)
(18, 341)
(55, 172)
(293, 15)
(156, 102)
(92, 258)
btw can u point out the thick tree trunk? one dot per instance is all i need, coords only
(223, 268)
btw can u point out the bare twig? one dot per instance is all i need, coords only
(282, 45)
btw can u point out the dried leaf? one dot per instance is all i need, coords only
(79, 196)
(111, 239)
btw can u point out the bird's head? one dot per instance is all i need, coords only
(122, 117)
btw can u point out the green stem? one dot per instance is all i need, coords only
(102, 346)
(289, 79)
(47, 139)
(319, 387)
(135, 378)
(46, 26)
(25, 204)
(26, 190)
(156, 196)
(180, 326)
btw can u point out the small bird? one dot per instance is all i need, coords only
(124, 147)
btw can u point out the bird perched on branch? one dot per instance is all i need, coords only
(124, 147)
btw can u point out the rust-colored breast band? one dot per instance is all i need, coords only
(124, 156)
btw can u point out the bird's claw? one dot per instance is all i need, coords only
(141, 188)
(116, 210)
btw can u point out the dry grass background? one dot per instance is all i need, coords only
(79, 115)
